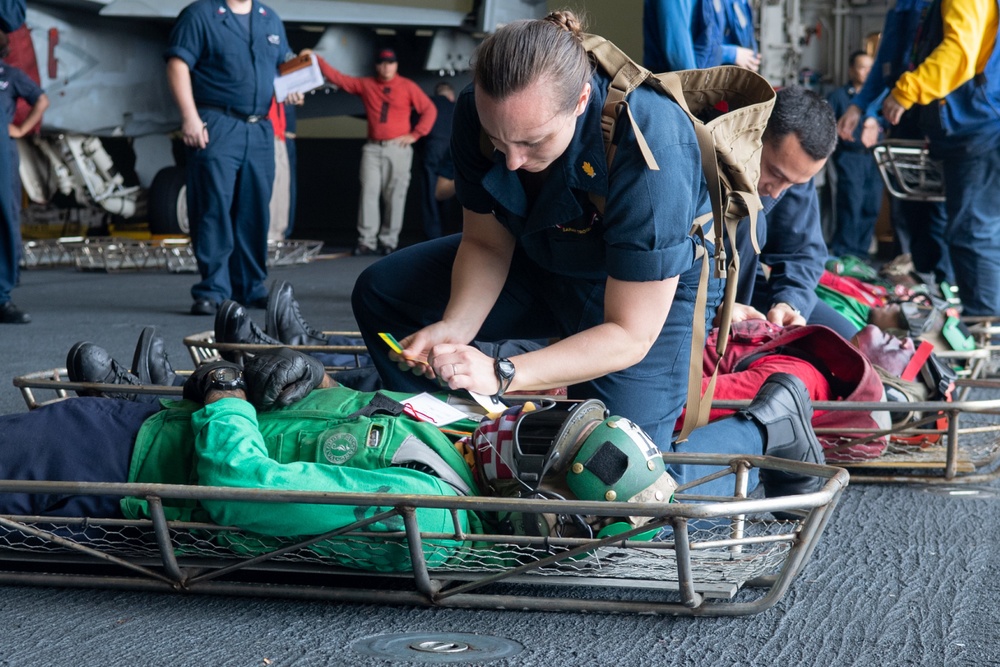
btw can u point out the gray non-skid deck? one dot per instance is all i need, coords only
(903, 575)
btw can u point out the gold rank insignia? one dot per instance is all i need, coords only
(588, 169)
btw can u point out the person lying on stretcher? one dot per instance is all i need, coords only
(281, 423)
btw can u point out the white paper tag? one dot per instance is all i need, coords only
(490, 403)
(427, 408)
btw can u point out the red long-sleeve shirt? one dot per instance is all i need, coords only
(388, 104)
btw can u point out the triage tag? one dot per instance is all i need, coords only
(427, 408)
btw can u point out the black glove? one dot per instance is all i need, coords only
(280, 378)
(200, 382)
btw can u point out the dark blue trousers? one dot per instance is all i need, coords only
(920, 229)
(972, 192)
(410, 289)
(78, 440)
(10, 225)
(433, 155)
(229, 191)
(859, 197)
(293, 187)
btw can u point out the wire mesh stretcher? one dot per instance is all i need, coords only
(204, 349)
(714, 556)
(908, 171)
(124, 254)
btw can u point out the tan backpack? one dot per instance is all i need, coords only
(729, 108)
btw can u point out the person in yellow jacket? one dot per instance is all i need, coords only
(954, 84)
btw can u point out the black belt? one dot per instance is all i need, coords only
(252, 118)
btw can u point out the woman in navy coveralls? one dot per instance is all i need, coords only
(537, 260)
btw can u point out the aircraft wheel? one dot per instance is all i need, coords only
(168, 202)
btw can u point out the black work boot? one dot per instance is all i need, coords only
(11, 314)
(87, 362)
(150, 362)
(784, 412)
(284, 321)
(233, 325)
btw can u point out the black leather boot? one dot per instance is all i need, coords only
(11, 314)
(283, 320)
(783, 409)
(87, 362)
(233, 325)
(150, 362)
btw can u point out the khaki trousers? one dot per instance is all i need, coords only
(385, 177)
(281, 195)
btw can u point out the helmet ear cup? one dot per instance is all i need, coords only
(617, 462)
(567, 441)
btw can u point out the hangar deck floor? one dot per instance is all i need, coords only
(904, 574)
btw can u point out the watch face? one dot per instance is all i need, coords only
(227, 379)
(225, 375)
(505, 368)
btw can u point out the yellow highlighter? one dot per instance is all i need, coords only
(394, 345)
(391, 341)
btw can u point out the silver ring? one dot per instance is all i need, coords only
(453, 370)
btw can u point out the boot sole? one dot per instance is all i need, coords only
(140, 360)
(222, 318)
(271, 313)
(72, 367)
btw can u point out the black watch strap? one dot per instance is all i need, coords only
(504, 369)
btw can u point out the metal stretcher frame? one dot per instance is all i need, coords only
(722, 556)
(176, 255)
(204, 349)
(908, 171)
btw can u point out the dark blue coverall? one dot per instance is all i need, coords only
(737, 27)
(964, 133)
(564, 254)
(859, 186)
(11, 18)
(230, 181)
(435, 153)
(791, 243)
(681, 34)
(14, 84)
(919, 226)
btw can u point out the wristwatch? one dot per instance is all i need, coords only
(226, 379)
(505, 374)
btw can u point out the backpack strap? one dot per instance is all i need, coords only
(729, 204)
(626, 76)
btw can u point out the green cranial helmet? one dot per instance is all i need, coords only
(566, 450)
(617, 461)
